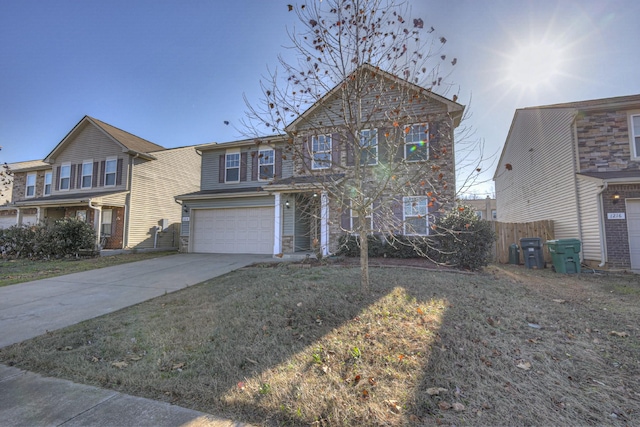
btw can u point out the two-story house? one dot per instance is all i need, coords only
(289, 193)
(577, 164)
(122, 184)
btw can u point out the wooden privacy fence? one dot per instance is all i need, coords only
(511, 232)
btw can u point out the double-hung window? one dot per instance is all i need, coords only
(232, 167)
(110, 169)
(31, 185)
(105, 223)
(369, 147)
(65, 176)
(266, 164)
(416, 143)
(321, 151)
(634, 129)
(415, 215)
(87, 174)
(48, 176)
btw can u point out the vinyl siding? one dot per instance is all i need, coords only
(90, 144)
(589, 215)
(541, 183)
(154, 185)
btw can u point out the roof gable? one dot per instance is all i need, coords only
(128, 142)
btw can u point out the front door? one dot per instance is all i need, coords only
(633, 229)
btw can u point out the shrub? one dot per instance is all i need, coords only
(464, 240)
(349, 245)
(68, 236)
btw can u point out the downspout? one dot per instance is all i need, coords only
(603, 246)
(97, 219)
(127, 208)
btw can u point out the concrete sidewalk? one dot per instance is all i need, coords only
(30, 309)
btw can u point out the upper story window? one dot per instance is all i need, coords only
(87, 174)
(48, 177)
(494, 214)
(369, 144)
(321, 152)
(416, 143)
(635, 134)
(65, 176)
(266, 164)
(110, 169)
(232, 167)
(31, 185)
(415, 215)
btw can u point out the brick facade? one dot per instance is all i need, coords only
(616, 229)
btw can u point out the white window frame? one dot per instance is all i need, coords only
(415, 213)
(352, 217)
(228, 168)
(494, 214)
(634, 134)
(107, 171)
(412, 139)
(107, 214)
(262, 162)
(32, 185)
(64, 176)
(321, 159)
(365, 141)
(86, 172)
(48, 181)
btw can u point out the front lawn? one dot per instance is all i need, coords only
(300, 346)
(25, 270)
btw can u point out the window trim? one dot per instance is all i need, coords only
(62, 177)
(632, 136)
(494, 214)
(260, 158)
(405, 217)
(115, 172)
(33, 186)
(50, 184)
(351, 217)
(315, 164)
(407, 144)
(83, 175)
(227, 168)
(363, 146)
(103, 222)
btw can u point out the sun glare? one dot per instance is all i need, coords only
(534, 65)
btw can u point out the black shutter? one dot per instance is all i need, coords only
(57, 178)
(221, 166)
(119, 172)
(434, 141)
(72, 177)
(254, 165)
(335, 150)
(350, 147)
(94, 178)
(277, 163)
(102, 166)
(243, 166)
(383, 147)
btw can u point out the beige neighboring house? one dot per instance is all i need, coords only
(485, 208)
(258, 198)
(577, 164)
(122, 184)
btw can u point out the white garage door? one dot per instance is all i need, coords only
(233, 231)
(9, 221)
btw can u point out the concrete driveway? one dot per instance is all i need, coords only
(30, 309)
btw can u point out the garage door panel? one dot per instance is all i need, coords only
(237, 230)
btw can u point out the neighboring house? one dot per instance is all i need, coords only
(120, 183)
(258, 197)
(577, 164)
(485, 208)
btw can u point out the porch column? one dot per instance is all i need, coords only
(18, 217)
(277, 226)
(39, 215)
(324, 223)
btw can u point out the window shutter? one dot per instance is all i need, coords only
(79, 175)
(397, 138)
(221, 166)
(243, 166)
(57, 185)
(254, 165)
(72, 177)
(397, 208)
(94, 179)
(345, 217)
(102, 166)
(119, 172)
(350, 144)
(278, 163)
(434, 141)
(383, 146)
(335, 150)
(306, 153)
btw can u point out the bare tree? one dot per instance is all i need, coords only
(362, 106)
(6, 180)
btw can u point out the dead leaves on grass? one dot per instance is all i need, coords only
(619, 334)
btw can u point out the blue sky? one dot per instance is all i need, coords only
(173, 72)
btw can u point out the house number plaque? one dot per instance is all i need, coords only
(615, 215)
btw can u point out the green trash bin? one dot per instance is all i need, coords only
(514, 254)
(565, 254)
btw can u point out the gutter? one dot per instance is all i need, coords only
(603, 246)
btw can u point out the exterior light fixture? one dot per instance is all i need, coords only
(286, 204)
(315, 194)
(615, 198)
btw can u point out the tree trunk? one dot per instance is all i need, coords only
(364, 261)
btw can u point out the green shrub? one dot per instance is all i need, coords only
(464, 240)
(349, 245)
(68, 236)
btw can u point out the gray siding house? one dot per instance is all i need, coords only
(120, 183)
(267, 196)
(577, 164)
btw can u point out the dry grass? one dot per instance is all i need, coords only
(282, 346)
(23, 270)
